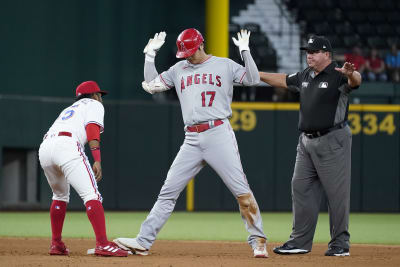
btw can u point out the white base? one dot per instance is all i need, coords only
(90, 251)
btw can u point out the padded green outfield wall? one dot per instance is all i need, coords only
(48, 47)
(141, 140)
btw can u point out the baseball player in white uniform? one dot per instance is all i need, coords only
(64, 162)
(204, 84)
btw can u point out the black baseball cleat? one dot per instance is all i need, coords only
(287, 249)
(337, 251)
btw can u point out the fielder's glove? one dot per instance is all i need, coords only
(242, 41)
(155, 44)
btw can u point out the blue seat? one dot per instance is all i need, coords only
(367, 4)
(322, 29)
(344, 28)
(384, 29)
(366, 29)
(351, 40)
(376, 16)
(348, 5)
(377, 42)
(386, 5)
(334, 16)
(335, 40)
(357, 16)
(393, 17)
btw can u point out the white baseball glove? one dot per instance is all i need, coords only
(242, 41)
(155, 44)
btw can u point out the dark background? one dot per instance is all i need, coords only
(48, 47)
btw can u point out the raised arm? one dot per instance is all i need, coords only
(252, 76)
(274, 79)
(152, 83)
(154, 44)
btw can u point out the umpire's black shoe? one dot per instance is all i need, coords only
(287, 249)
(337, 251)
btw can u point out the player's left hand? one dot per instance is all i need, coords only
(97, 170)
(347, 69)
(242, 41)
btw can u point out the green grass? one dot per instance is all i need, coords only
(378, 228)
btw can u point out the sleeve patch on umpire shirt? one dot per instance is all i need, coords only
(304, 84)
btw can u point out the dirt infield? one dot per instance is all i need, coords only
(33, 252)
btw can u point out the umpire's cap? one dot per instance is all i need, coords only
(316, 43)
(89, 87)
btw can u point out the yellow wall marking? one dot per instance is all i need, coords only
(296, 106)
(190, 195)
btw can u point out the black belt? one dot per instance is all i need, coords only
(315, 134)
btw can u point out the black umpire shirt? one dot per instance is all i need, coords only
(324, 99)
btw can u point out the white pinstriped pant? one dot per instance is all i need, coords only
(65, 163)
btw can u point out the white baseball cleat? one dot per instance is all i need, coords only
(132, 245)
(260, 252)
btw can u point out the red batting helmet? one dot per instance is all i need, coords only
(188, 42)
(89, 87)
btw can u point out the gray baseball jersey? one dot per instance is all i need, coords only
(205, 92)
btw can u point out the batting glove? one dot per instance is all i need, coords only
(147, 88)
(155, 44)
(154, 86)
(242, 41)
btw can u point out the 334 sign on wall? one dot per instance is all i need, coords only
(371, 123)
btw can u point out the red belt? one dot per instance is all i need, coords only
(203, 126)
(59, 134)
(65, 134)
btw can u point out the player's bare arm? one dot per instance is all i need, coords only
(353, 76)
(93, 137)
(252, 76)
(95, 145)
(274, 79)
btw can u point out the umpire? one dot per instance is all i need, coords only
(323, 161)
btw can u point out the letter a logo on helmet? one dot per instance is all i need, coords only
(183, 48)
(188, 42)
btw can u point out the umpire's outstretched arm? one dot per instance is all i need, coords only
(274, 79)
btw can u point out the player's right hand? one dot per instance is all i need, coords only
(97, 171)
(155, 86)
(155, 44)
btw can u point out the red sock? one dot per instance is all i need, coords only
(95, 213)
(57, 214)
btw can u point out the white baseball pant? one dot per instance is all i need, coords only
(65, 163)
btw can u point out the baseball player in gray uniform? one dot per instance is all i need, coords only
(204, 84)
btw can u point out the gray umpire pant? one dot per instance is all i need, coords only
(322, 164)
